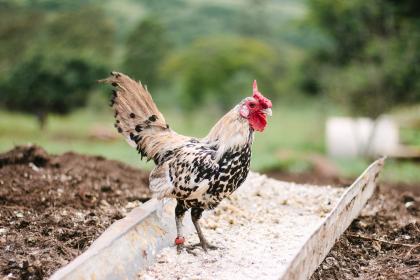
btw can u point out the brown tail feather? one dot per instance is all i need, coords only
(133, 96)
(138, 118)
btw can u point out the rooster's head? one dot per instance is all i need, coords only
(255, 109)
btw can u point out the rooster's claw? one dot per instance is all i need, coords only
(205, 245)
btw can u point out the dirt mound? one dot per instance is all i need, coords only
(382, 243)
(310, 177)
(53, 207)
(24, 155)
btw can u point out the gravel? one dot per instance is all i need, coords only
(258, 229)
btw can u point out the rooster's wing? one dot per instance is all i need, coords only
(186, 172)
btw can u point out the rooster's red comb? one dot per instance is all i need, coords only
(265, 102)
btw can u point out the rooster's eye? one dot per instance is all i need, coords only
(251, 105)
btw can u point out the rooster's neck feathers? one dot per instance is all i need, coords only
(230, 131)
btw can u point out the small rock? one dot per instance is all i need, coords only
(410, 205)
(106, 188)
(34, 167)
(376, 245)
(361, 225)
(406, 237)
(19, 214)
(132, 204)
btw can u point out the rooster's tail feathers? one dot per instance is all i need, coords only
(137, 116)
(131, 97)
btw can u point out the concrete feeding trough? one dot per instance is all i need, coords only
(138, 246)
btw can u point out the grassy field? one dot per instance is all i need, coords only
(296, 130)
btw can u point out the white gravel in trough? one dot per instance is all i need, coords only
(259, 229)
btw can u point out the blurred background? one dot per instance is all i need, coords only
(344, 76)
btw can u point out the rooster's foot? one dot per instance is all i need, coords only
(188, 249)
(205, 245)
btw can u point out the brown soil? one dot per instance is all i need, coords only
(382, 243)
(310, 177)
(53, 207)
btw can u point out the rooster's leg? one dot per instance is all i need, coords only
(195, 216)
(179, 215)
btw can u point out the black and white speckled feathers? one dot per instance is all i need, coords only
(199, 173)
(230, 172)
(200, 181)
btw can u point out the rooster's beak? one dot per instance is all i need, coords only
(267, 111)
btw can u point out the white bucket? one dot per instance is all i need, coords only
(352, 137)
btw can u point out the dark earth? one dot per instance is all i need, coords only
(382, 243)
(53, 207)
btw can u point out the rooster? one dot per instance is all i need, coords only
(198, 173)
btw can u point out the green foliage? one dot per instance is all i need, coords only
(83, 32)
(222, 69)
(49, 61)
(148, 32)
(270, 21)
(371, 63)
(146, 48)
(47, 5)
(363, 87)
(18, 32)
(350, 24)
(353, 25)
(254, 22)
(40, 85)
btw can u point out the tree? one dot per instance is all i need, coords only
(84, 32)
(254, 21)
(371, 61)
(222, 69)
(146, 48)
(18, 32)
(40, 85)
(25, 30)
(55, 58)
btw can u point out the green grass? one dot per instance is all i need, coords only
(72, 133)
(289, 128)
(294, 129)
